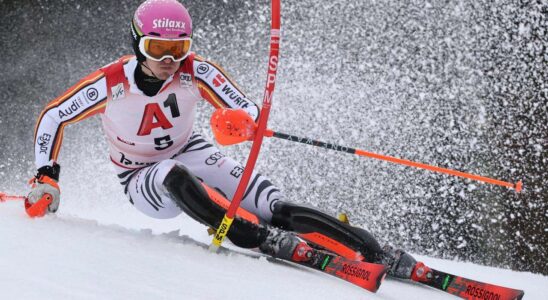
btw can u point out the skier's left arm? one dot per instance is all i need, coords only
(220, 90)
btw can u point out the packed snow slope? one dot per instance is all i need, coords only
(63, 257)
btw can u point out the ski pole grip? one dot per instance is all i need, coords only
(39, 208)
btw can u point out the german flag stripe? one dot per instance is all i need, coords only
(89, 80)
(210, 95)
(90, 111)
(57, 141)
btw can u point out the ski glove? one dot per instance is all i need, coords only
(44, 183)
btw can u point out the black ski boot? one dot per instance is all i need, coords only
(285, 245)
(400, 264)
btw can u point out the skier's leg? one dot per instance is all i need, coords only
(191, 197)
(167, 188)
(303, 219)
(264, 200)
(223, 174)
(144, 189)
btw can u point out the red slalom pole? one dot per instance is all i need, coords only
(261, 128)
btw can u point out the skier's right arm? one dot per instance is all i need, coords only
(83, 100)
(216, 87)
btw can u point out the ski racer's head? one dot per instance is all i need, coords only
(161, 32)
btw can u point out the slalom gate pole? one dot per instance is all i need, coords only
(261, 128)
(517, 186)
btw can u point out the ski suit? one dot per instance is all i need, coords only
(148, 135)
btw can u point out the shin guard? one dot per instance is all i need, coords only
(189, 194)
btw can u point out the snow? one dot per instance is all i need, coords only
(65, 257)
(458, 84)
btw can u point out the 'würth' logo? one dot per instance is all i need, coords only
(219, 79)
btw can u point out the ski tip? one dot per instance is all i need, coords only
(380, 279)
(471, 289)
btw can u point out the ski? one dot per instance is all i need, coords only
(365, 275)
(463, 287)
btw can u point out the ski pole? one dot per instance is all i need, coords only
(258, 138)
(5, 197)
(518, 186)
(235, 126)
(37, 209)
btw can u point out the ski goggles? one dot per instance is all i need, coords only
(159, 49)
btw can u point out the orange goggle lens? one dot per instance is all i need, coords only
(158, 49)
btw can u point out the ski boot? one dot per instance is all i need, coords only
(285, 245)
(401, 264)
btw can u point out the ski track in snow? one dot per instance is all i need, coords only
(64, 257)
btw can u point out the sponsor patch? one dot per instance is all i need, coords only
(66, 110)
(92, 94)
(185, 79)
(43, 142)
(168, 24)
(218, 80)
(118, 91)
(202, 69)
(125, 142)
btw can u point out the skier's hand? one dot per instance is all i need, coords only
(232, 126)
(45, 193)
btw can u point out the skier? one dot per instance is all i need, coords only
(147, 104)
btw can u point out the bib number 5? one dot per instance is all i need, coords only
(163, 142)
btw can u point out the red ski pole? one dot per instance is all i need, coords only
(261, 128)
